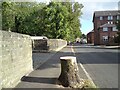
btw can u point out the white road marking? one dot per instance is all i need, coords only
(72, 50)
(88, 76)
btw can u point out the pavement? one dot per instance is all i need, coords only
(40, 58)
(110, 47)
(45, 76)
(97, 46)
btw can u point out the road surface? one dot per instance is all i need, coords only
(101, 64)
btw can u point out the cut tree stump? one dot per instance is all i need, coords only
(69, 76)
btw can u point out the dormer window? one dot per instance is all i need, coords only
(111, 22)
(101, 18)
(110, 17)
(105, 29)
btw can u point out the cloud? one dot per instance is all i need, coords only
(90, 7)
(96, 0)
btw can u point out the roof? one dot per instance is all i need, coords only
(108, 25)
(90, 32)
(106, 13)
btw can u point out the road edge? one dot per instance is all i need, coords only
(86, 73)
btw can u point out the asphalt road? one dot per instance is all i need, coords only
(101, 64)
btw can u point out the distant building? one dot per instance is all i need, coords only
(77, 39)
(83, 41)
(104, 27)
(90, 37)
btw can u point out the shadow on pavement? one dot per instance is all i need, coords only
(45, 80)
(54, 61)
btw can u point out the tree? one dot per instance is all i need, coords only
(7, 16)
(117, 39)
(32, 19)
(74, 10)
(69, 76)
(55, 20)
(76, 19)
(0, 15)
(83, 36)
(17, 16)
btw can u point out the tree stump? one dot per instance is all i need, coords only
(69, 76)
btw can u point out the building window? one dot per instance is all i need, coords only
(114, 29)
(101, 18)
(110, 17)
(110, 22)
(116, 21)
(118, 17)
(105, 29)
(105, 38)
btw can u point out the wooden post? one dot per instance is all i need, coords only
(69, 76)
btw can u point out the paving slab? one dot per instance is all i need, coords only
(40, 57)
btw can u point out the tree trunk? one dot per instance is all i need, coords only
(69, 76)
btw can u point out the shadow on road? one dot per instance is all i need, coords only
(97, 57)
(84, 56)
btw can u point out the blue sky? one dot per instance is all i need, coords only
(89, 7)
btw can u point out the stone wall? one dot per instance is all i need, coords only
(56, 44)
(40, 45)
(16, 58)
(45, 45)
(0, 60)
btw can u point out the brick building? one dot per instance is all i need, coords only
(90, 37)
(104, 27)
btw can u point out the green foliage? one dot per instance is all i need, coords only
(74, 10)
(83, 36)
(117, 39)
(0, 15)
(55, 20)
(7, 13)
(118, 25)
(15, 14)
